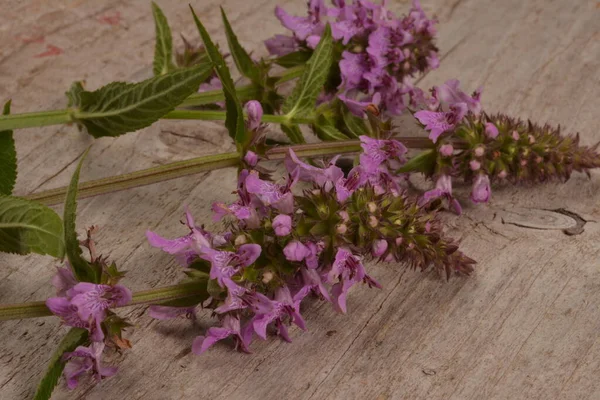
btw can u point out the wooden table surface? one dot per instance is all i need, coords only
(525, 326)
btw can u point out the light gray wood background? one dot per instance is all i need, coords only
(524, 326)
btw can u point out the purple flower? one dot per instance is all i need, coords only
(303, 27)
(230, 327)
(348, 269)
(443, 189)
(225, 264)
(63, 280)
(240, 212)
(296, 251)
(282, 224)
(312, 281)
(490, 130)
(481, 191)
(255, 113)
(323, 177)
(166, 312)
(271, 194)
(450, 94)
(234, 297)
(440, 122)
(280, 45)
(86, 303)
(268, 311)
(84, 360)
(344, 187)
(377, 152)
(357, 107)
(184, 247)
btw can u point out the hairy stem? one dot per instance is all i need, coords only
(205, 163)
(35, 119)
(212, 115)
(38, 309)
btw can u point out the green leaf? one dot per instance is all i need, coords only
(27, 226)
(242, 59)
(121, 107)
(301, 102)
(354, 125)
(293, 132)
(8, 158)
(163, 50)
(423, 162)
(75, 337)
(327, 132)
(81, 268)
(235, 117)
(74, 94)
(294, 59)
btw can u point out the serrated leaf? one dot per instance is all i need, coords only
(293, 132)
(121, 107)
(423, 162)
(27, 226)
(302, 101)
(81, 268)
(75, 337)
(163, 50)
(8, 158)
(74, 94)
(242, 59)
(235, 117)
(293, 59)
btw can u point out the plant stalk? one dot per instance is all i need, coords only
(205, 163)
(38, 309)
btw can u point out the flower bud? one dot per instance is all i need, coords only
(379, 247)
(446, 150)
(255, 112)
(373, 222)
(282, 224)
(502, 174)
(515, 135)
(267, 277)
(481, 191)
(251, 158)
(479, 151)
(531, 139)
(372, 207)
(490, 130)
(341, 229)
(475, 165)
(240, 240)
(344, 215)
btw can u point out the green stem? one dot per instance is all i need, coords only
(140, 178)
(244, 93)
(211, 115)
(205, 163)
(38, 309)
(35, 119)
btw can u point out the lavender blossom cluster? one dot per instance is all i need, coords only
(86, 305)
(379, 53)
(482, 148)
(282, 246)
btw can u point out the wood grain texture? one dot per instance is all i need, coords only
(526, 325)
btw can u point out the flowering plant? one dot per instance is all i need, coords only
(314, 231)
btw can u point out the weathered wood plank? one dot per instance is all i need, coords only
(525, 326)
